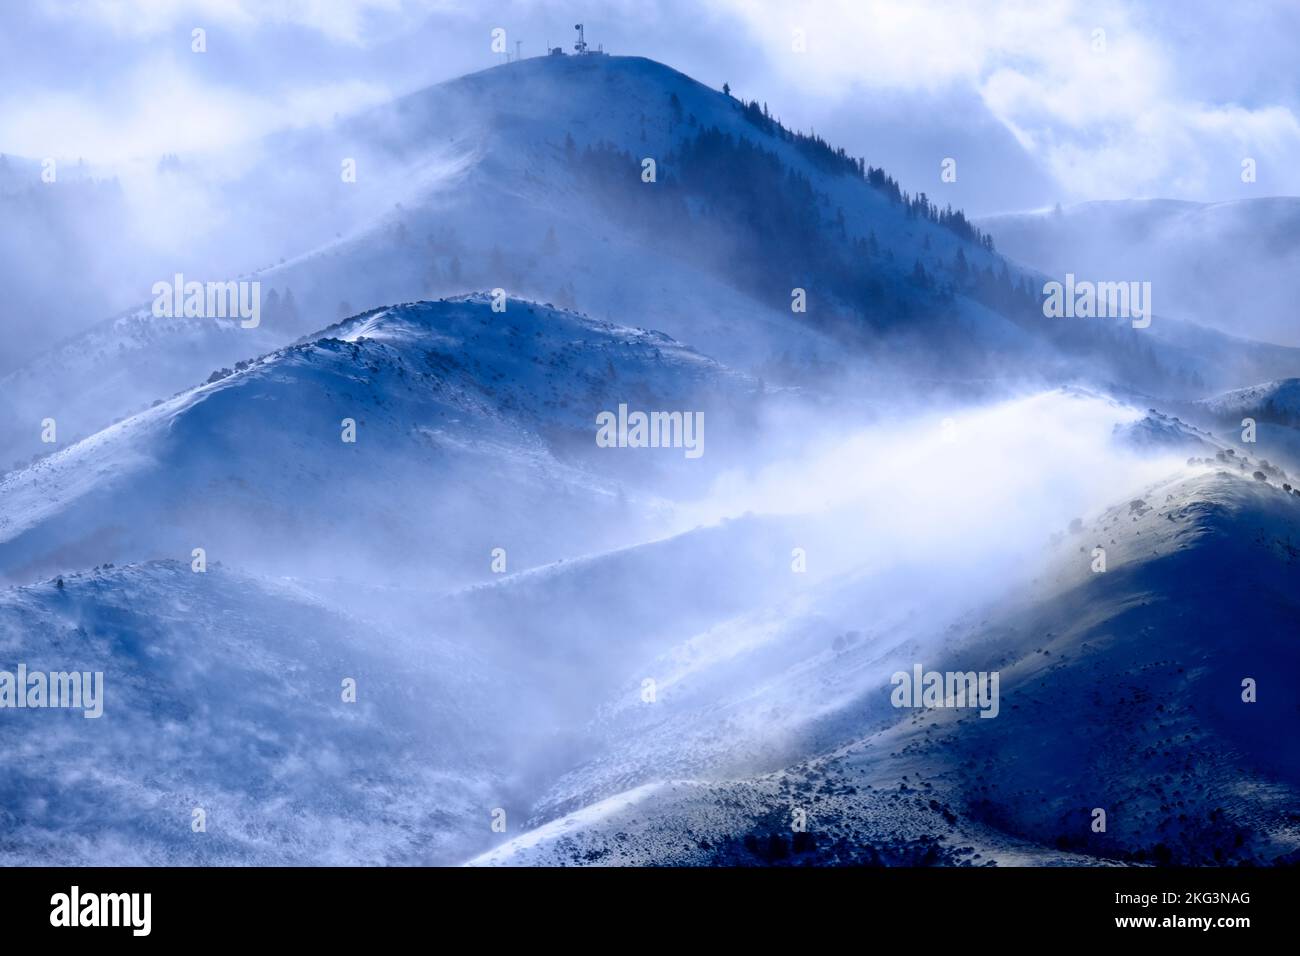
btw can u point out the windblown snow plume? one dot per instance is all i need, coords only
(432, 448)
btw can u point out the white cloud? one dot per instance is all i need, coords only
(160, 106)
(1104, 122)
(342, 20)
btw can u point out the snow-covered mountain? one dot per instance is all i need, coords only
(1120, 691)
(768, 681)
(225, 737)
(1263, 420)
(529, 177)
(627, 654)
(1275, 402)
(459, 413)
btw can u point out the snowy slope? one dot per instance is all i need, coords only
(114, 370)
(223, 692)
(761, 595)
(770, 687)
(483, 177)
(1119, 690)
(1277, 402)
(474, 430)
(480, 183)
(1262, 420)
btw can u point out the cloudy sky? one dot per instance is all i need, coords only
(1038, 101)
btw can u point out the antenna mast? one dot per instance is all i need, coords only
(581, 45)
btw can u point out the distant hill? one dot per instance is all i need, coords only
(1232, 266)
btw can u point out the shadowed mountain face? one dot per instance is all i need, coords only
(607, 459)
